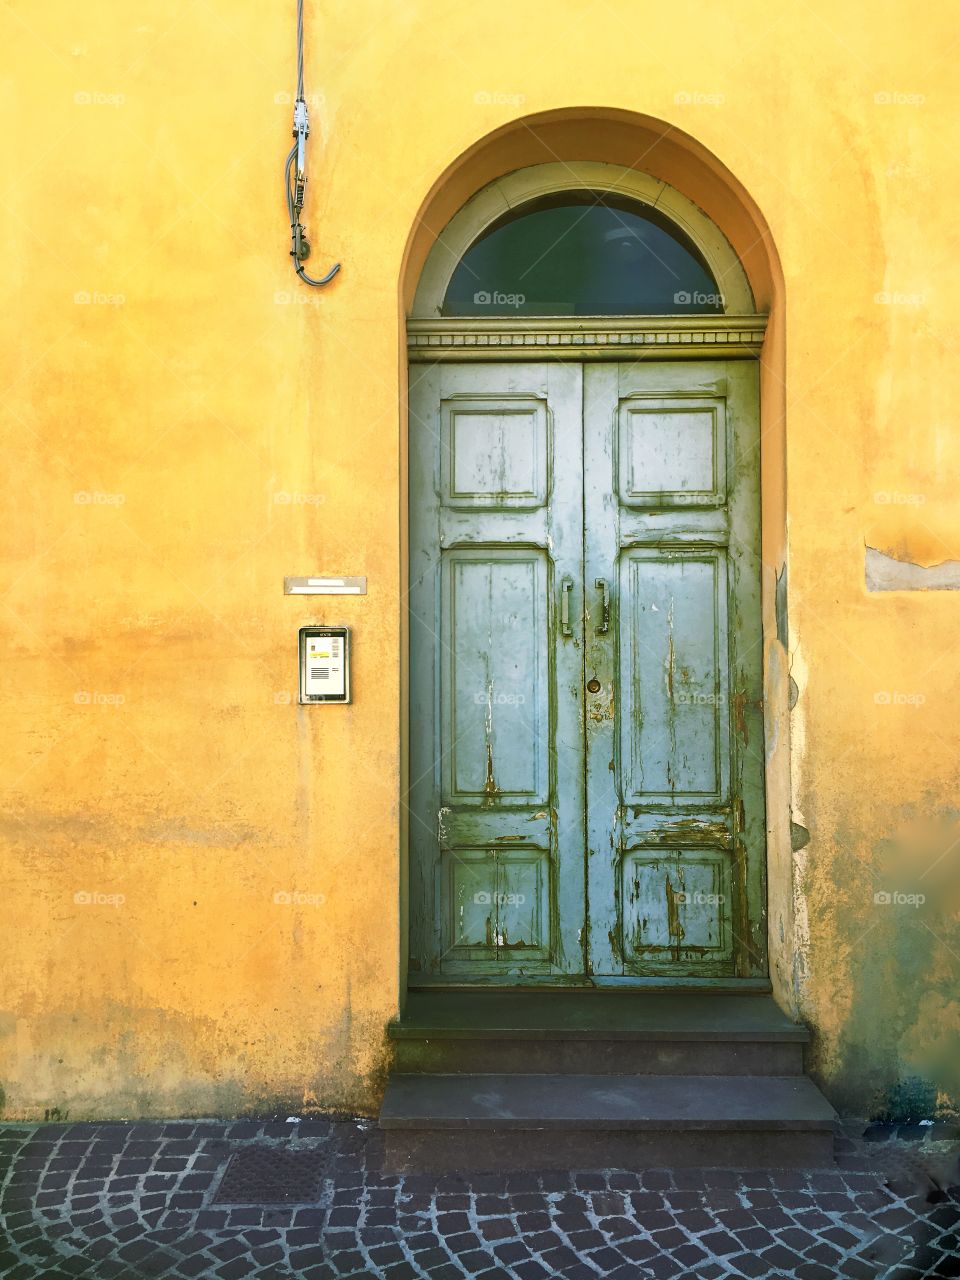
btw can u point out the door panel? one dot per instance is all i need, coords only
(674, 739)
(674, 731)
(671, 453)
(495, 453)
(494, 695)
(672, 895)
(496, 518)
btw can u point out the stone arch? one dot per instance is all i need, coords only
(526, 186)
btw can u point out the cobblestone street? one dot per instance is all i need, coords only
(199, 1199)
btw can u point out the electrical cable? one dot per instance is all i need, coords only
(294, 183)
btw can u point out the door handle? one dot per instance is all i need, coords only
(566, 587)
(604, 623)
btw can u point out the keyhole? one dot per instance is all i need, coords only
(593, 685)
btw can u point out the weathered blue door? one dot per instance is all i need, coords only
(586, 785)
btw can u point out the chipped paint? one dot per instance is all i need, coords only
(442, 836)
(601, 709)
(738, 702)
(884, 572)
(490, 787)
(674, 926)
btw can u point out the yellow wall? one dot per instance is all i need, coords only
(201, 385)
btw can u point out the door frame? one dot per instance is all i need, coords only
(739, 333)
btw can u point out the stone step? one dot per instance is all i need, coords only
(480, 1122)
(613, 1033)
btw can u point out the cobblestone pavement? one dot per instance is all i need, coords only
(138, 1200)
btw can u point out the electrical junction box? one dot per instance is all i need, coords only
(324, 664)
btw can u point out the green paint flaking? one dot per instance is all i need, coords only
(799, 836)
(780, 607)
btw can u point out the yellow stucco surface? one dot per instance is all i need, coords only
(184, 424)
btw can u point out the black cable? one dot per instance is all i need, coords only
(293, 212)
(288, 188)
(299, 48)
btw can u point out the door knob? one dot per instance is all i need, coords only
(593, 685)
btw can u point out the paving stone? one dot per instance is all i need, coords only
(227, 1249)
(823, 1253)
(659, 1220)
(531, 1270)
(756, 1238)
(749, 1264)
(720, 1242)
(497, 1229)
(590, 1181)
(782, 1257)
(858, 1269)
(812, 1220)
(570, 1222)
(663, 1268)
(528, 1223)
(688, 1254)
(512, 1251)
(837, 1236)
(893, 1219)
(772, 1217)
(617, 1228)
(401, 1271)
(670, 1239)
(639, 1250)
(694, 1220)
(583, 1241)
(193, 1266)
(737, 1219)
(798, 1239)
(462, 1243)
(643, 1201)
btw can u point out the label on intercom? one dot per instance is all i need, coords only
(324, 664)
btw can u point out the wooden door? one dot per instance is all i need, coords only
(496, 807)
(586, 759)
(674, 732)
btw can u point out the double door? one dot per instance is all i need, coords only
(586, 731)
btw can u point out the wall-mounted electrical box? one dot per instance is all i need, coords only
(324, 664)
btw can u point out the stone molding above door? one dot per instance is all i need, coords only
(585, 337)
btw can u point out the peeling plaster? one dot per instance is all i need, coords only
(887, 573)
(798, 742)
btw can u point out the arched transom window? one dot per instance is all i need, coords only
(582, 253)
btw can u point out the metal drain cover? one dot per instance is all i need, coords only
(266, 1175)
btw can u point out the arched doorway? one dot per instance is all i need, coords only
(586, 755)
